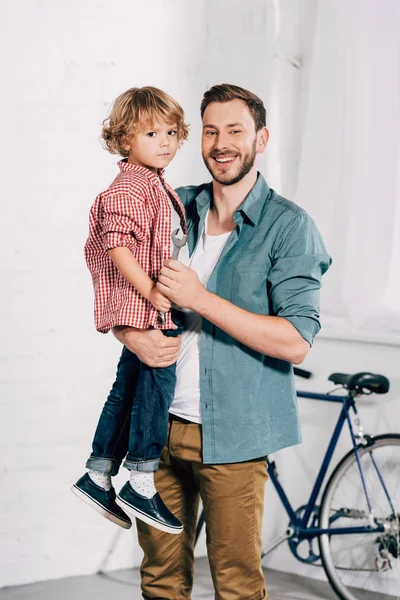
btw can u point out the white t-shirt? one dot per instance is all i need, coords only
(186, 402)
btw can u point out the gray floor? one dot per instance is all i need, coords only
(124, 585)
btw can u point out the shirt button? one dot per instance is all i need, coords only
(166, 219)
(165, 248)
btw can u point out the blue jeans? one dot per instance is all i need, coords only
(134, 420)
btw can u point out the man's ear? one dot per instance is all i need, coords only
(262, 139)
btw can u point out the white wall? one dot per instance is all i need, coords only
(64, 63)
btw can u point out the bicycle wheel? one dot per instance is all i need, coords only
(364, 566)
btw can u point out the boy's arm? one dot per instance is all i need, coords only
(129, 267)
(125, 227)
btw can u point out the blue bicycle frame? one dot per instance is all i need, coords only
(300, 524)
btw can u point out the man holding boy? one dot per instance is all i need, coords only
(252, 296)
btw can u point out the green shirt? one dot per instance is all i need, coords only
(272, 264)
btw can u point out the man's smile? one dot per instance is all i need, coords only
(228, 160)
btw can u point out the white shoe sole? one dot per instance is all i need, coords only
(99, 508)
(134, 512)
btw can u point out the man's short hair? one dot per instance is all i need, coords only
(137, 108)
(226, 92)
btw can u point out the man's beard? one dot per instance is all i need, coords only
(245, 167)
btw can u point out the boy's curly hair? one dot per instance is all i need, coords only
(138, 107)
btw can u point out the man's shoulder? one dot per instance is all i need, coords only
(293, 225)
(286, 214)
(286, 208)
(188, 193)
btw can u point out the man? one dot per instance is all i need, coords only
(252, 295)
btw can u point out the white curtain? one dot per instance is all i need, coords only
(349, 171)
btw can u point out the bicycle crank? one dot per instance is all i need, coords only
(308, 554)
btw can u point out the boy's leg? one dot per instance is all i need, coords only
(155, 389)
(167, 566)
(233, 500)
(110, 444)
(148, 433)
(149, 421)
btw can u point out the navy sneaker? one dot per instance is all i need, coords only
(101, 500)
(150, 510)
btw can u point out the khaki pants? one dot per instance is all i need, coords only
(233, 501)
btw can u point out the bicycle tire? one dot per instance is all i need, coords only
(368, 582)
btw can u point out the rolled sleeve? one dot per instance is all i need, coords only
(125, 221)
(300, 260)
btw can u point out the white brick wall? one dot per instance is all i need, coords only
(63, 64)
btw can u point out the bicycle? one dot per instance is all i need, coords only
(357, 522)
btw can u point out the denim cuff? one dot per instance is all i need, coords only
(145, 466)
(104, 465)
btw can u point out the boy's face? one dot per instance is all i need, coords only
(153, 146)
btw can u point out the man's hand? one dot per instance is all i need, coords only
(159, 301)
(150, 345)
(181, 284)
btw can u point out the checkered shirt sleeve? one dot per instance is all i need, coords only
(125, 221)
(133, 212)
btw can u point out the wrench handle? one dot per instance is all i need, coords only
(162, 317)
(175, 252)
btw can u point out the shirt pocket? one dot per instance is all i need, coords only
(249, 289)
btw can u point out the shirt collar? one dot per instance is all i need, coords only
(251, 206)
(126, 167)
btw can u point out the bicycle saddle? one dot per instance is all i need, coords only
(378, 384)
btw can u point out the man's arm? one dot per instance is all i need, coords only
(294, 281)
(151, 346)
(272, 336)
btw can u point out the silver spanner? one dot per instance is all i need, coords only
(178, 243)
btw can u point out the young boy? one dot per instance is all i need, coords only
(130, 237)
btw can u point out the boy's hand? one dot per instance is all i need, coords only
(159, 301)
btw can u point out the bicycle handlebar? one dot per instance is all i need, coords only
(302, 373)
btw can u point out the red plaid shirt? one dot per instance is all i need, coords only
(133, 212)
